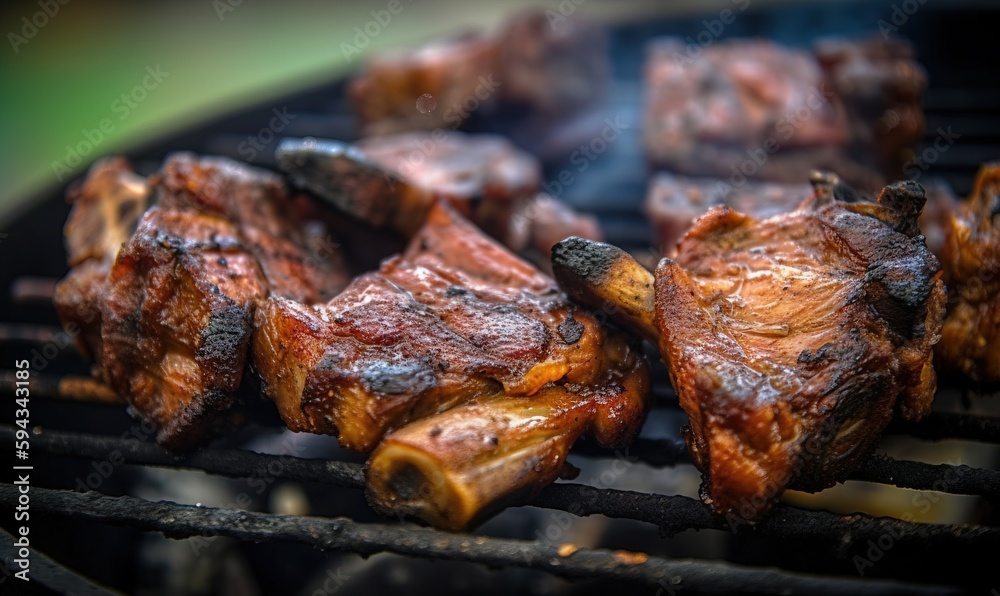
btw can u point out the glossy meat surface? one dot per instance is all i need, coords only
(791, 340)
(178, 312)
(453, 319)
(970, 338)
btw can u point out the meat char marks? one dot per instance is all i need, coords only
(453, 318)
(178, 312)
(790, 340)
(456, 321)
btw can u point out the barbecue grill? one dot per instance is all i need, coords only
(86, 453)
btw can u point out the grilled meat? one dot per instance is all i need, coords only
(551, 220)
(178, 311)
(880, 87)
(391, 182)
(535, 66)
(674, 202)
(790, 340)
(386, 95)
(970, 338)
(106, 210)
(753, 109)
(552, 64)
(456, 468)
(455, 318)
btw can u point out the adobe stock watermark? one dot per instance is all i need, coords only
(263, 137)
(122, 107)
(103, 469)
(32, 24)
(923, 502)
(899, 16)
(556, 531)
(332, 582)
(261, 478)
(565, 10)
(364, 34)
(713, 29)
(225, 6)
(944, 141)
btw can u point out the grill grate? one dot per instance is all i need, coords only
(613, 188)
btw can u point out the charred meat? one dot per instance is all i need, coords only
(534, 66)
(453, 319)
(473, 366)
(178, 311)
(790, 341)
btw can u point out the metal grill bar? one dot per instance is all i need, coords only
(68, 387)
(960, 479)
(955, 479)
(671, 514)
(937, 426)
(181, 521)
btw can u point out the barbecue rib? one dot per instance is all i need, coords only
(106, 210)
(970, 338)
(789, 340)
(451, 71)
(458, 467)
(454, 318)
(178, 311)
(751, 108)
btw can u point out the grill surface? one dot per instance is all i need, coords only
(815, 549)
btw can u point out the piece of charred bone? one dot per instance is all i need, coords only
(458, 331)
(392, 181)
(457, 468)
(790, 340)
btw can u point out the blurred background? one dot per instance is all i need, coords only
(62, 74)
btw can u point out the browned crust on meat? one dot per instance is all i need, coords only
(791, 340)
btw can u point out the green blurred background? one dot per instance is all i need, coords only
(67, 75)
